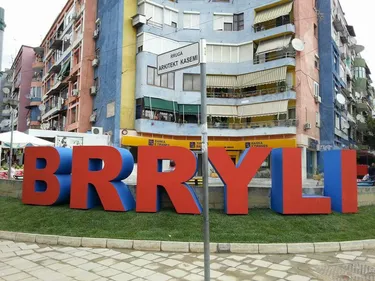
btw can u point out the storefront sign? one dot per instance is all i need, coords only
(184, 57)
(61, 175)
(196, 145)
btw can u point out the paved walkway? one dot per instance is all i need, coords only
(29, 262)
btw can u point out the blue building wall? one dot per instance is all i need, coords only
(326, 76)
(110, 13)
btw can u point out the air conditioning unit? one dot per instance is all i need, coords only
(96, 34)
(93, 118)
(97, 130)
(95, 62)
(75, 93)
(307, 126)
(318, 99)
(93, 90)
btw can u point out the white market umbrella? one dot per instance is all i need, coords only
(21, 140)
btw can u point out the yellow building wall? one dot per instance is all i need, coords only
(127, 113)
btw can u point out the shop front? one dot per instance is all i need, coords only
(233, 147)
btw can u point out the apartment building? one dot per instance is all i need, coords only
(16, 90)
(64, 70)
(347, 93)
(261, 91)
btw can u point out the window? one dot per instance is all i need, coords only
(223, 22)
(292, 113)
(317, 119)
(359, 72)
(317, 61)
(315, 30)
(229, 54)
(170, 17)
(238, 22)
(337, 121)
(164, 80)
(316, 89)
(228, 26)
(153, 13)
(191, 20)
(192, 82)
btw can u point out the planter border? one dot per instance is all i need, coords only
(189, 247)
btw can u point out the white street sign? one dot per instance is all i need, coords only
(177, 59)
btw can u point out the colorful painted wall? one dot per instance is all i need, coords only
(110, 41)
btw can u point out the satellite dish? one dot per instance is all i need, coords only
(359, 48)
(6, 91)
(340, 99)
(298, 44)
(42, 107)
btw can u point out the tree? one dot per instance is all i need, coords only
(370, 134)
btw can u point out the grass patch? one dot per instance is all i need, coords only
(260, 226)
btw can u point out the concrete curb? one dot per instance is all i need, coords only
(186, 247)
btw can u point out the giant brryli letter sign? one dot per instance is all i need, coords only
(87, 176)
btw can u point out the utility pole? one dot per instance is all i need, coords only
(11, 143)
(206, 223)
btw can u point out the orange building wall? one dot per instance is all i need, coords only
(87, 71)
(306, 73)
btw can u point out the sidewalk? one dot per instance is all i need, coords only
(32, 262)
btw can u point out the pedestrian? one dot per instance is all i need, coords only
(371, 172)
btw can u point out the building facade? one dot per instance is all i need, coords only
(345, 83)
(16, 91)
(261, 91)
(64, 70)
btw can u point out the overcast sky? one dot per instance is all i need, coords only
(27, 23)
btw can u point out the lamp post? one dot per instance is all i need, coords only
(12, 112)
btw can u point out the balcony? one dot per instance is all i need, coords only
(338, 25)
(39, 51)
(5, 113)
(248, 94)
(56, 44)
(264, 58)
(362, 127)
(362, 105)
(11, 101)
(224, 129)
(55, 68)
(37, 65)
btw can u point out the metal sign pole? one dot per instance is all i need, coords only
(206, 219)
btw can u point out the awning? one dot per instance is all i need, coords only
(64, 72)
(221, 81)
(263, 77)
(273, 45)
(159, 104)
(263, 109)
(189, 109)
(273, 13)
(222, 111)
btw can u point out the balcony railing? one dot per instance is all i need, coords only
(273, 56)
(271, 24)
(247, 94)
(254, 125)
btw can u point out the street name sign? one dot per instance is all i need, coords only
(177, 59)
